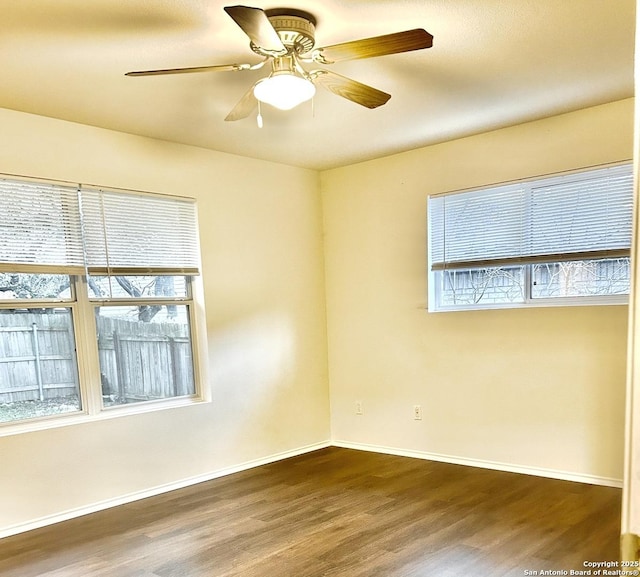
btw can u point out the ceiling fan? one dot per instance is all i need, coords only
(285, 38)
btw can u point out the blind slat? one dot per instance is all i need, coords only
(142, 271)
(541, 258)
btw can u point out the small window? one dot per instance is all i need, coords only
(562, 240)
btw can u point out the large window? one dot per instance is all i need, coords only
(557, 240)
(97, 293)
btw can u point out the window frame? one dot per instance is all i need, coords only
(435, 277)
(527, 302)
(186, 301)
(82, 307)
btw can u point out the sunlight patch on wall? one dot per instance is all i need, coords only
(253, 355)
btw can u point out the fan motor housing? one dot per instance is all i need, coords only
(295, 28)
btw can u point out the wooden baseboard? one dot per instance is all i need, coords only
(496, 466)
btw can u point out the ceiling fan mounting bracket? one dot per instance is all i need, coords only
(295, 28)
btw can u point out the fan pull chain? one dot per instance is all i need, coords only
(259, 117)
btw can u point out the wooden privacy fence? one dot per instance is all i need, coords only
(138, 361)
(37, 357)
(142, 361)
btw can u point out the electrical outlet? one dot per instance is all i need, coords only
(417, 412)
(359, 409)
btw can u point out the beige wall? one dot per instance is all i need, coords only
(261, 238)
(538, 388)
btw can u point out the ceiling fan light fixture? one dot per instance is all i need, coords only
(284, 90)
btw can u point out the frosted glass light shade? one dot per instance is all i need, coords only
(284, 91)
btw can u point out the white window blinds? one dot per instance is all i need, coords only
(134, 234)
(40, 228)
(579, 216)
(57, 229)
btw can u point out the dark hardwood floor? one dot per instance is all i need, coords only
(335, 512)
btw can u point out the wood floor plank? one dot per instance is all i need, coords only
(335, 513)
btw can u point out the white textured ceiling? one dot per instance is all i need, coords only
(494, 63)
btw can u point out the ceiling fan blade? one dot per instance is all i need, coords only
(350, 89)
(255, 24)
(395, 43)
(220, 68)
(244, 107)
